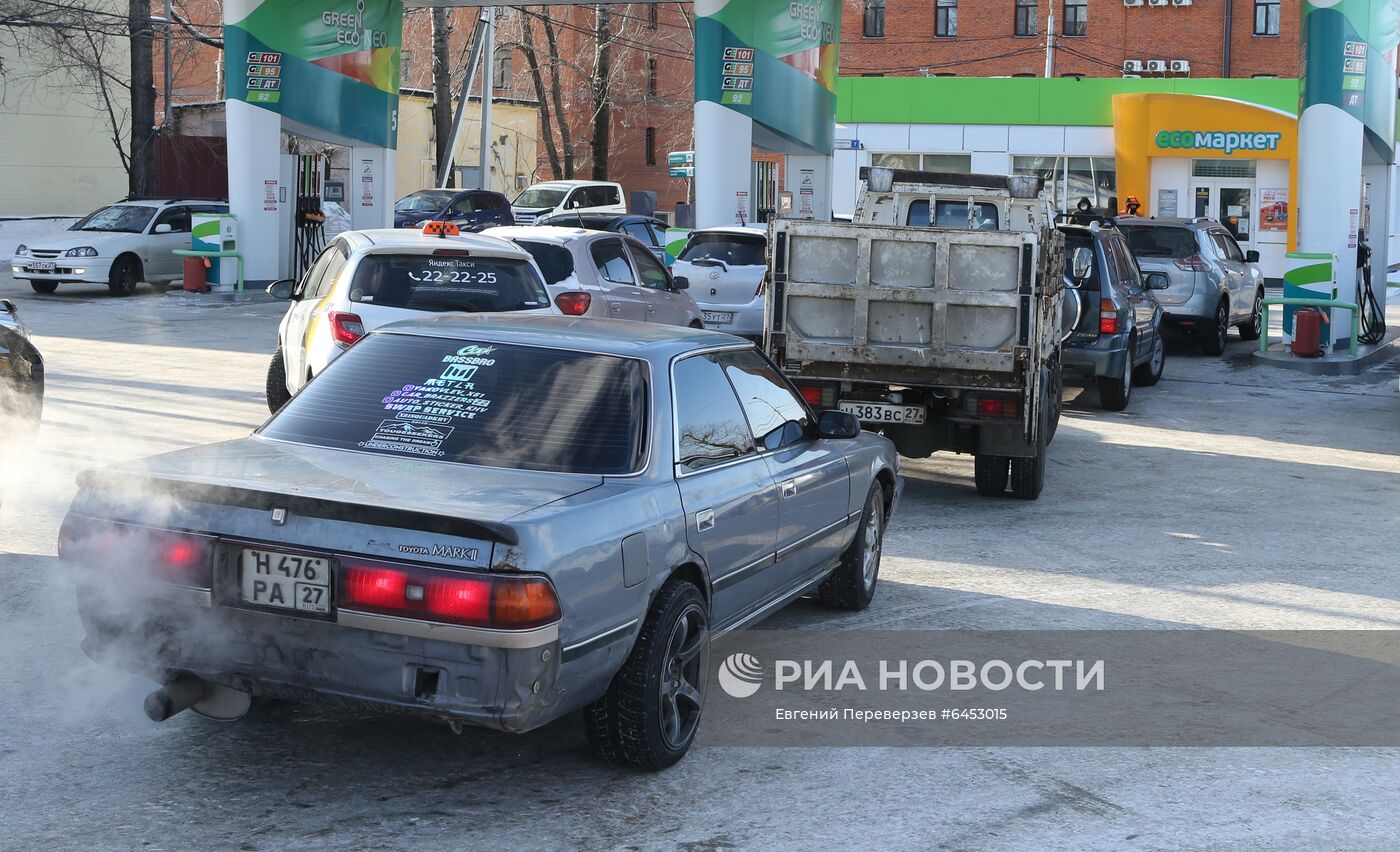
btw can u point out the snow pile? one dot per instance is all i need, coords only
(27, 230)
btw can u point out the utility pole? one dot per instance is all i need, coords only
(488, 86)
(442, 87)
(1050, 44)
(468, 79)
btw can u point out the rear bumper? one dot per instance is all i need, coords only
(1108, 356)
(165, 631)
(1196, 311)
(746, 321)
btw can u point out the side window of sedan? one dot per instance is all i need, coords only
(640, 231)
(710, 425)
(178, 218)
(611, 259)
(776, 416)
(339, 257)
(653, 273)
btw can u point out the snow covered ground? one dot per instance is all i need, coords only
(25, 229)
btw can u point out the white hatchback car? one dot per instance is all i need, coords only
(365, 279)
(119, 245)
(567, 196)
(725, 268)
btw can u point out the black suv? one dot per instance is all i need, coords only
(1117, 341)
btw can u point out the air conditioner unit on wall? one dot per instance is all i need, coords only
(1156, 2)
(1132, 2)
(1181, 2)
(1132, 66)
(1156, 66)
(1180, 66)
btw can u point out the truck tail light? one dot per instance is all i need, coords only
(1192, 263)
(1108, 317)
(346, 328)
(165, 555)
(812, 394)
(473, 600)
(573, 304)
(993, 406)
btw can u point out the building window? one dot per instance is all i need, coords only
(1027, 17)
(501, 78)
(958, 163)
(1073, 178)
(651, 77)
(874, 25)
(945, 22)
(1076, 17)
(1266, 17)
(651, 146)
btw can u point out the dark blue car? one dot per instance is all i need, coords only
(473, 208)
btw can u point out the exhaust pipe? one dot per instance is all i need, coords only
(179, 694)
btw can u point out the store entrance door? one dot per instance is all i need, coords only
(1229, 203)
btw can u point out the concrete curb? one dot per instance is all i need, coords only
(1332, 365)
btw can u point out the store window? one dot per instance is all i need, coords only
(1266, 13)
(1073, 178)
(874, 23)
(1076, 17)
(957, 163)
(1027, 17)
(945, 24)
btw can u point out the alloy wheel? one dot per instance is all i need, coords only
(683, 679)
(870, 559)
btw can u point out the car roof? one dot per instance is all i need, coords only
(653, 341)
(162, 202)
(393, 238)
(572, 183)
(598, 218)
(734, 229)
(1176, 221)
(554, 234)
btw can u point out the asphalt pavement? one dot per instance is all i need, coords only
(1229, 496)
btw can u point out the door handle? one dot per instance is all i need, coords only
(790, 488)
(704, 520)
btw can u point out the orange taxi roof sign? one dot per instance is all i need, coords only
(441, 229)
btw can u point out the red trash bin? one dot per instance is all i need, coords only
(1307, 332)
(194, 274)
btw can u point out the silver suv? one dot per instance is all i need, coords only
(1212, 284)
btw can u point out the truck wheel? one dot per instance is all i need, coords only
(990, 473)
(44, 286)
(277, 393)
(1115, 391)
(125, 275)
(1028, 475)
(1251, 328)
(1149, 372)
(651, 711)
(852, 585)
(1213, 335)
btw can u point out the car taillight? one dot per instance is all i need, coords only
(573, 304)
(346, 328)
(1108, 317)
(173, 557)
(993, 406)
(812, 394)
(501, 602)
(1192, 263)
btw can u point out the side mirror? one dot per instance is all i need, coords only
(163, 228)
(282, 289)
(1082, 262)
(1251, 256)
(838, 425)
(8, 307)
(680, 282)
(1158, 281)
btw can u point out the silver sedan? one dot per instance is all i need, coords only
(606, 275)
(487, 519)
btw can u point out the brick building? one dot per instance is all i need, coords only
(987, 38)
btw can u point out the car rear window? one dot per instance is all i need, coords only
(733, 249)
(952, 214)
(431, 282)
(1160, 241)
(554, 261)
(472, 402)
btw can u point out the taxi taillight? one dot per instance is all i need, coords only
(346, 328)
(472, 600)
(573, 304)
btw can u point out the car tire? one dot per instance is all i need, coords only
(1149, 372)
(1115, 391)
(44, 286)
(852, 585)
(1253, 327)
(990, 473)
(125, 275)
(277, 393)
(1028, 475)
(651, 711)
(1213, 334)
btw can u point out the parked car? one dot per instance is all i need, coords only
(119, 245)
(365, 279)
(469, 209)
(726, 267)
(600, 274)
(1212, 284)
(567, 196)
(428, 529)
(648, 231)
(1117, 342)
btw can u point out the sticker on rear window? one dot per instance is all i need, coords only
(400, 436)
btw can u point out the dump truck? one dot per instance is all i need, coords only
(935, 316)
